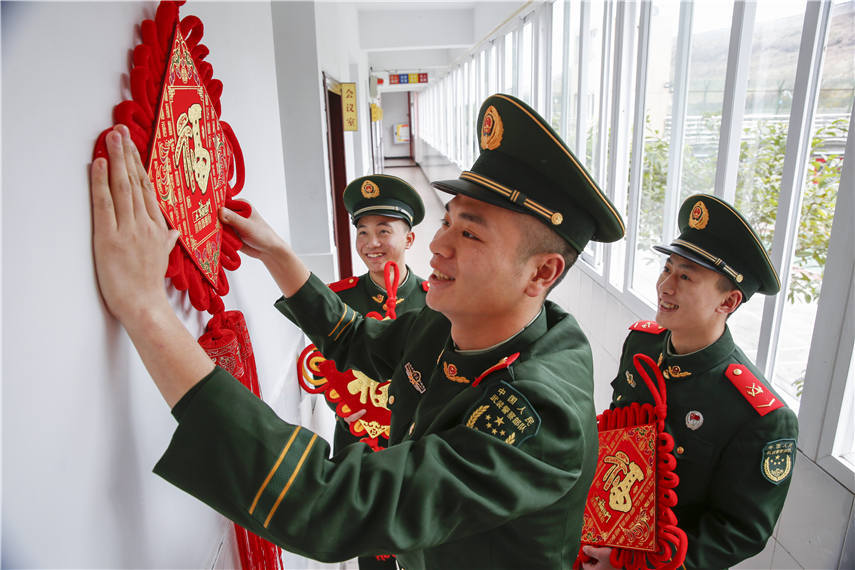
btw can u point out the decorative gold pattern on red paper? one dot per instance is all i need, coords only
(189, 161)
(623, 493)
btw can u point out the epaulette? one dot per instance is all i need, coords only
(344, 284)
(500, 365)
(651, 327)
(758, 395)
(425, 285)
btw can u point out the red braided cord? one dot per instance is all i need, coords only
(392, 276)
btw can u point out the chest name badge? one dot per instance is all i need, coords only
(504, 413)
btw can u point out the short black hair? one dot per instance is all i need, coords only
(537, 238)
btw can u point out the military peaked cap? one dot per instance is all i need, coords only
(714, 234)
(525, 166)
(383, 195)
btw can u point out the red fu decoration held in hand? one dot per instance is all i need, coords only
(351, 390)
(630, 502)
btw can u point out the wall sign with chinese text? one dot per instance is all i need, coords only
(348, 107)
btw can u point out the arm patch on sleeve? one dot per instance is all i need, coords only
(778, 457)
(504, 413)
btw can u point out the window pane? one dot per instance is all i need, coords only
(710, 41)
(510, 64)
(571, 79)
(659, 96)
(819, 196)
(593, 68)
(525, 64)
(774, 56)
(493, 73)
(555, 76)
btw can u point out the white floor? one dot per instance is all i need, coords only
(418, 258)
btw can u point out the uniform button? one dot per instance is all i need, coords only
(391, 400)
(412, 428)
(680, 450)
(737, 371)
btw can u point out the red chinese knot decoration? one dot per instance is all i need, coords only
(629, 506)
(196, 166)
(193, 158)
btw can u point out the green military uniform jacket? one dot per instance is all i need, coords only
(485, 469)
(364, 295)
(734, 463)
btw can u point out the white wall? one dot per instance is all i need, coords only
(395, 111)
(82, 422)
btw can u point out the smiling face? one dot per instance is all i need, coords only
(692, 304)
(380, 239)
(478, 273)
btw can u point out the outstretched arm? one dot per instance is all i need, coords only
(131, 244)
(262, 242)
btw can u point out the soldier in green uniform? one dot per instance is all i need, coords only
(384, 210)
(493, 436)
(735, 439)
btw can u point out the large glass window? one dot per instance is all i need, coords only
(818, 199)
(771, 79)
(658, 116)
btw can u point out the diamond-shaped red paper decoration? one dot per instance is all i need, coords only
(189, 161)
(621, 507)
(187, 149)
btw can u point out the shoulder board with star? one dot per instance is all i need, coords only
(753, 389)
(344, 284)
(651, 327)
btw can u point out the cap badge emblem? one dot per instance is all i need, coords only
(370, 190)
(699, 217)
(694, 420)
(491, 129)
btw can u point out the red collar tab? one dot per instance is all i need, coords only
(758, 395)
(425, 285)
(344, 284)
(651, 327)
(503, 363)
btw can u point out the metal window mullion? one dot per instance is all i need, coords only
(805, 94)
(637, 163)
(605, 100)
(581, 103)
(733, 105)
(833, 338)
(679, 105)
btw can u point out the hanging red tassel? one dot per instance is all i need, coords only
(226, 341)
